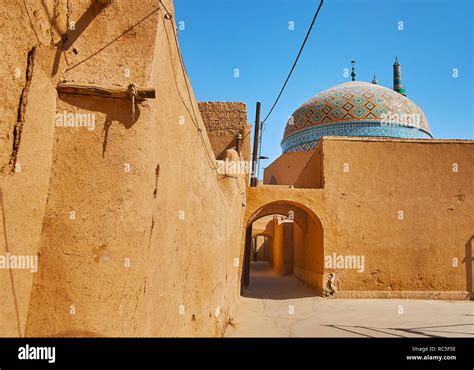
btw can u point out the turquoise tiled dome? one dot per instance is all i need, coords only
(354, 109)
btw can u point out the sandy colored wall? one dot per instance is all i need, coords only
(427, 253)
(262, 230)
(282, 248)
(130, 260)
(275, 253)
(286, 168)
(24, 200)
(270, 252)
(298, 249)
(402, 207)
(271, 230)
(263, 248)
(223, 121)
(277, 248)
(311, 175)
(261, 245)
(288, 249)
(309, 253)
(28, 107)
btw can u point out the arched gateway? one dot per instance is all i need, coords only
(294, 235)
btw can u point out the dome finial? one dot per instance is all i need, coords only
(397, 78)
(374, 81)
(353, 74)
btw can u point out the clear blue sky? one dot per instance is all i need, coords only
(253, 36)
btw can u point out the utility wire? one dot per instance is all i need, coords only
(168, 16)
(284, 85)
(296, 61)
(115, 39)
(210, 156)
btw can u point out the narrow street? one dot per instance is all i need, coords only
(285, 307)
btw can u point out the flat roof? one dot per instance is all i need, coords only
(393, 139)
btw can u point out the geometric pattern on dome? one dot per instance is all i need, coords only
(357, 102)
(308, 138)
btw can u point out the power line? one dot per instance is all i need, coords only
(296, 61)
(286, 81)
(210, 156)
(115, 39)
(168, 14)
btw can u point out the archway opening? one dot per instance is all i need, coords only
(283, 252)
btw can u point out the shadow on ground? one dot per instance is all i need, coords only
(426, 331)
(267, 284)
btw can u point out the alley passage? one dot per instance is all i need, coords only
(284, 307)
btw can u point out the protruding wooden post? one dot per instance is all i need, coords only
(238, 142)
(256, 139)
(117, 92)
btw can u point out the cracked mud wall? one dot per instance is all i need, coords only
(28, 106)
(139, 235)
(223, 121)
(402, 207)
(399, 211)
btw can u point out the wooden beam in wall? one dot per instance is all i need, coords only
(116, 92)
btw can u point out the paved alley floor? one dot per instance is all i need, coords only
(285, 307)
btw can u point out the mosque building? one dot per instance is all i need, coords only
(363, 202)
(356, 109)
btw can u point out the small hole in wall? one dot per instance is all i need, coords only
(74, 50)
(231, 322)
(193, 317)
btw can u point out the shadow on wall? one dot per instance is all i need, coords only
(468, 260)
(119, 110)
(70, 36)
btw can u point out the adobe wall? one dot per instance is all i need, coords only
(261, 230)
(28, 107)
(296, 247)
(277, 248)
(125, 218)
(282, 247)
(223, 121)
(309, 253)
(286, 169)
(262, 248)
(312, 175)
(400, 206)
